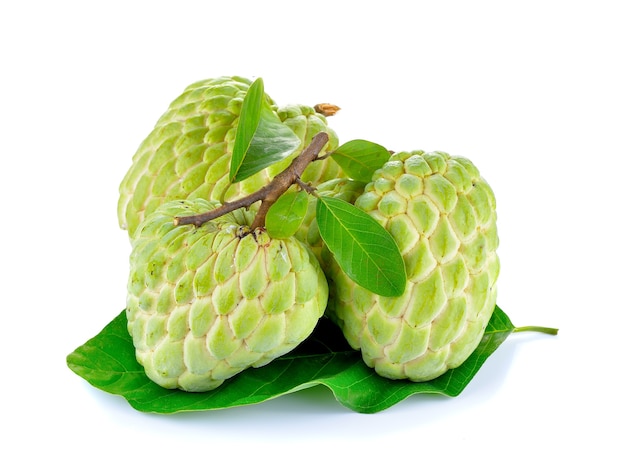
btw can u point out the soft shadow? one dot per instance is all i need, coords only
(493, 374)
(315, 411)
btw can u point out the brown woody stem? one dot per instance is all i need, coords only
(269, 193)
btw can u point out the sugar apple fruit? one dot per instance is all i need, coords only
(205, 303)
(441, 213)
(187, 154)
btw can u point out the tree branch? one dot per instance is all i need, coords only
(269, 193)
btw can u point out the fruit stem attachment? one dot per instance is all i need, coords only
(327, 110)
(551, 331)
(269, 193)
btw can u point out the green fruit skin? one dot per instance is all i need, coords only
(205, 303)
(187, 154)
(305, 122)
(441, 213)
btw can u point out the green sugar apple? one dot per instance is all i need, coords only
(205, 303)
(441, 213)
(187, 154)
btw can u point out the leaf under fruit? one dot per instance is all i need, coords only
(107, 361)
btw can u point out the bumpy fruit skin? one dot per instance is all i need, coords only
(305, 122)
(442, 215)
(187, 154)
(205, 303)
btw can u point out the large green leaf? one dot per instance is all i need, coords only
(360, 158)
(107, 361)
(262, 139)
(364, 250)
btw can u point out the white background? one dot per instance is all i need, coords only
(533, 92)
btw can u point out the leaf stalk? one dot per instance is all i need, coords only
(542, 329)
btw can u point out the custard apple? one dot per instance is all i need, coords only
(187, 154)
(441, 213)
(205, 303)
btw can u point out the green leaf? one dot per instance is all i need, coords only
(285, 216)
(272, 142)
(107, 361)
(360, 159)
(249, 118)
(365, 251)
(262, 139)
